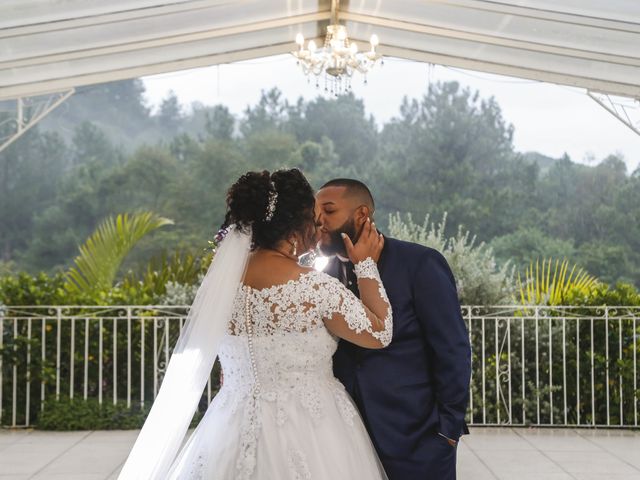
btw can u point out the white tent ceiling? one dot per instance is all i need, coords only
(53, 45)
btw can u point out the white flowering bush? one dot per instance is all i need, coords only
(180, 293)
(480, 280)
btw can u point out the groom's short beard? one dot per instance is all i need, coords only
(336, 243)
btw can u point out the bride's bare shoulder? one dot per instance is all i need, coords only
(265, 271)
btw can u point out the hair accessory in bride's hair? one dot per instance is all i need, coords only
(273, 200)
(220, 235)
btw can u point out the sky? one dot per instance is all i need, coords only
(550, 119)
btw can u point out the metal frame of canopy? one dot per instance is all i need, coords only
(49, 46)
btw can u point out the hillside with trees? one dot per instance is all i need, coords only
(105, 152)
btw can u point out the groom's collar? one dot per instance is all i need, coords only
(342, 259)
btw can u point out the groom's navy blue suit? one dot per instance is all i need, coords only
(416, 390)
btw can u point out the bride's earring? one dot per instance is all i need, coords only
(294, 244)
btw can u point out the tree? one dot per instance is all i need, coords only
(627, 228)
(78, 200)
(528, 244)
(450, 150)
(456, 153)
(30, 171)
(90, 144)
(119, 108)
(269, 114)
(199, 200)
(319, 162)
(611, 262)
(170, 114)
(220, 123)
(577, 198)
(145, 181)
(343, 120)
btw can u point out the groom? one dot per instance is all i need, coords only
(413, 394)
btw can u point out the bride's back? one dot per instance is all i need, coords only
(276, 336)
(265, 270)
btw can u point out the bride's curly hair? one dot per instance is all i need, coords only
(248, 203)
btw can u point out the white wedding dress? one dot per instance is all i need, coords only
(281, 414)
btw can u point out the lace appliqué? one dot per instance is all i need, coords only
(345, 405)
(367, 268)
(340, 300)
(251, 424)
(298, 468)
(285, 308)
(248, 440)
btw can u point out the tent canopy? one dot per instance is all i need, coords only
(53, 45)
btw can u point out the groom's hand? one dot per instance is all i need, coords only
(450, 441)
(369, 244)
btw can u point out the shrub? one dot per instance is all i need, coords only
(79, 414)
(479, 279)
(40, 289)
(623, 294)
(180, 293)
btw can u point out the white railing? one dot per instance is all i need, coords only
(115, 354)
(561, 366)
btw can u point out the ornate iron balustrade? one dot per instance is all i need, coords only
(561, 366)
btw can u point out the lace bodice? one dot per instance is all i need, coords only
(288, 336)
(284, 352)
(295, 306)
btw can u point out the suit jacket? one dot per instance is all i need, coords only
(418, 386)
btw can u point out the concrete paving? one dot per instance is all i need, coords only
(486, 454)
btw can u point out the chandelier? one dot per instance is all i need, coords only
(338, 59)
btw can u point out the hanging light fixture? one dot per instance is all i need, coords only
(338, 59)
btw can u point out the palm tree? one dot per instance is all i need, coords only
(102, 254)
(541, 288)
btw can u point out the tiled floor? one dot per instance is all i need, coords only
(550, 454)
(486, 454)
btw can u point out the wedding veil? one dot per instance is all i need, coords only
(191, 362)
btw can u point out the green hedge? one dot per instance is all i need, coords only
(79, 414)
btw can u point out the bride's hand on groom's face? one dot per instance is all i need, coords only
(369, 244)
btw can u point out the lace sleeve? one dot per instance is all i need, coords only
(371, 317)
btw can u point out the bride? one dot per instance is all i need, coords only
(274, 324)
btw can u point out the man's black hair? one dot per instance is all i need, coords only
(355, 188)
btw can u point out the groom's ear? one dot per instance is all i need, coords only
(361, 215)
